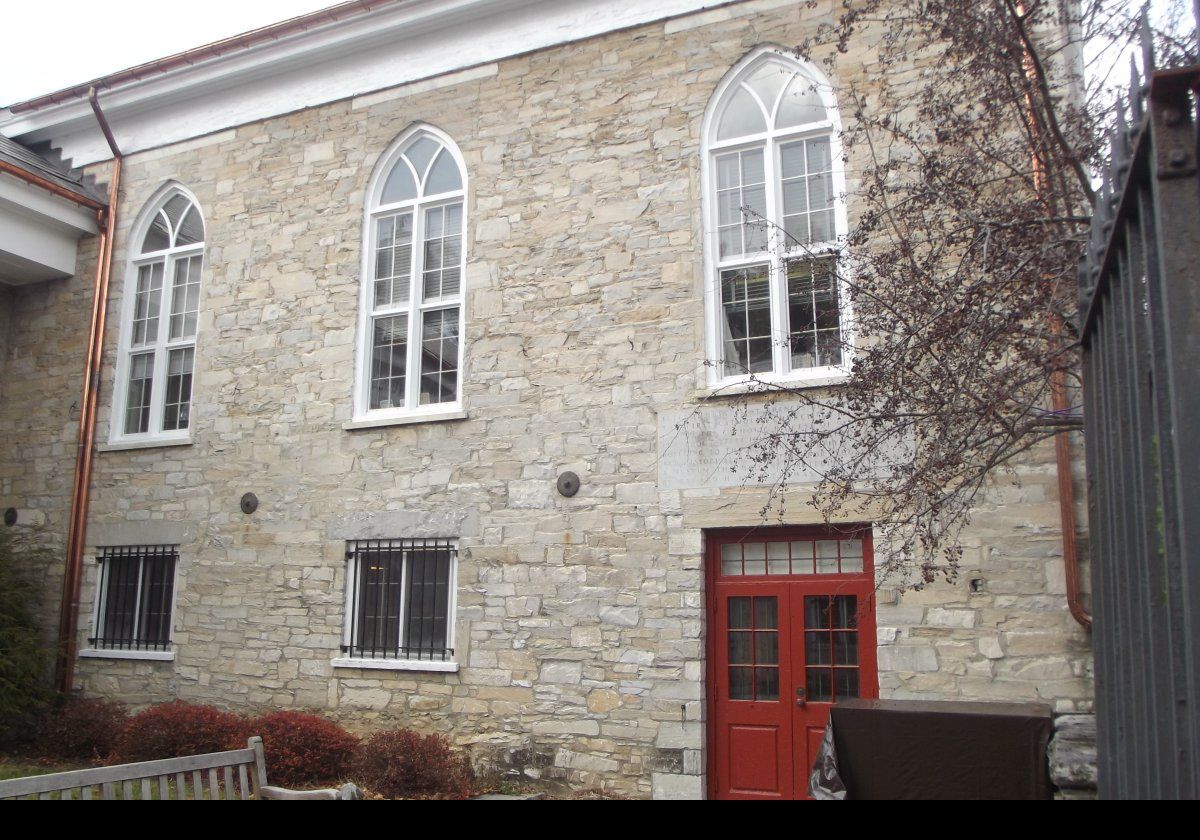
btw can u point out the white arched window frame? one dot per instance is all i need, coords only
(152, 397)
(777, 307)
(410, 349)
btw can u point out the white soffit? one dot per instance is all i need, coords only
(386, 47)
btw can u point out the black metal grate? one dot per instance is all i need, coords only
(399, 600)
(1140, 321)
(137, 589)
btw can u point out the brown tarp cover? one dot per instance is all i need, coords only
(900, 749)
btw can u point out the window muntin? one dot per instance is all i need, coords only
(400, 600)
(158, 346)
(135, 600)
(774, 216)
(410, 349)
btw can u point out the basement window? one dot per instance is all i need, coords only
(134, 603)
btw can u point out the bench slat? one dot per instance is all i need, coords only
(121, 772)
(243, 782)
(227, 774)
(180, 786)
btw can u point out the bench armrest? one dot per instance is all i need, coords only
(344, 792)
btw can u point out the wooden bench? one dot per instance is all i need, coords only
(237, 774)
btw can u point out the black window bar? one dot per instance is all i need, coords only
(137, 589)
(399, 604)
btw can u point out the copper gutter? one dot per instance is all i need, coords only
(188, 58)
(68, 627)
(48, 185)
(1058, 396)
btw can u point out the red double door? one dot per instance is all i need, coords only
(791, 631)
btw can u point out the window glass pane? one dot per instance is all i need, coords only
(393, 260)
(746, 305)
(154, 609)
(767, 81)
(755, 558)
(378, 595)
(420, 154)
(791, 157)
(191, 229)
(777, 558)
(185, 298)
(728, 172)
(137, 401)
(158, 238)
(813, 314)
(852, 556)
(147, 301)
(443, 251)
(399, 185)
(443, 176)
(800, 104)
(742, 117)
(177, 405)
(389, 359)
(819, 155)
(426, 602)
(439, 357)
(174, 210)
(827, 557)
(731, 559)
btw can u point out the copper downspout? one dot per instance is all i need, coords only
(77, 525)
(1058, 401)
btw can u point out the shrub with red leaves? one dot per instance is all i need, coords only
(304, 750)
(81, 728)
(400, 763)
(177, 729)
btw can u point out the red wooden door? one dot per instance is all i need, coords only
(791, 631)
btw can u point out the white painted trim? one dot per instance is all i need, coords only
(769, 140)
(415, 308)
(147, 655)
(404, 420)
(155, 436)
(47, 207)
(365, 53)
(827, 377)
(397, 665)
(147, 443)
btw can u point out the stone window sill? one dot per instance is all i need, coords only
(769, 386)
(397, 665)
(153, 443)
(404, 420)
(144, 655)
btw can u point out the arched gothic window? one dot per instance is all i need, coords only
(153, 395)
(773, 216)
(410, 350)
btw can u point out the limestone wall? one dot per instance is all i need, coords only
(580, 621)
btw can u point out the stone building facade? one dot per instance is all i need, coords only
(579, 622)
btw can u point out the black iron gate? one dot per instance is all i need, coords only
(1140, 312)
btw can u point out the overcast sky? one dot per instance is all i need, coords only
(47, 47)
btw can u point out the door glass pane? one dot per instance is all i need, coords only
(816, 612)
(819, 685)
(766, 683)
(739, 614)
(739, 648)
(847, 683)
(816, 648)
(741, 683)
(845, 612)
(766, 648)
(766, 613)
(845, 648)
